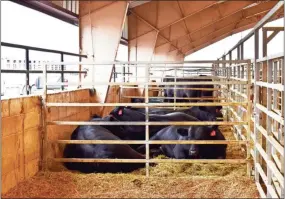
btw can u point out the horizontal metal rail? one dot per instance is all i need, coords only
(148, 64)
(76, 104)
(271, 57)
(151, 142)
(148, 83)
(176, 88)
(279, 87)
(39, 71)
(233, 161)
(40, 49)
(186, 98)
(133, 123)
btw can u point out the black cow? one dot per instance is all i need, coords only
(121, 151)
(190, 151)
(117, 130)
(137, 132)
(137, 100)
(202, 113)
(183, 90)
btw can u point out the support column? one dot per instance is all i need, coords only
(102, 40)
(141, 47)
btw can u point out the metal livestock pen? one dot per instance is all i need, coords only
(218, 80)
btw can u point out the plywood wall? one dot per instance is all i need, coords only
(21, 135)
(116, 95)
(22, 130)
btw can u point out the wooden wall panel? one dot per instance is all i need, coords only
(21, 128)
(22, 132)
(56, 132)
(107, 24)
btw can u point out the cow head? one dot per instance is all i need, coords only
(200, 133)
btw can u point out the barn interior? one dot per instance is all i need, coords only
(159, 35)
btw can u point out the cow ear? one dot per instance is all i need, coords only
(182, 132)
(213, 133)
(120, 111)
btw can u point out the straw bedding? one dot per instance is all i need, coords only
(168, 180)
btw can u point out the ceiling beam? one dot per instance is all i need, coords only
(223, 36)
(218, 20)
(168, 41)
(236, 22)
(189, 15)
(186, 28)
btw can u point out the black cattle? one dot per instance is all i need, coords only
(137, 132)
(202, 113)
(117, 130)
(137, 100)
(184, 91)
(190, 151)
(215, 110)
(121, 151)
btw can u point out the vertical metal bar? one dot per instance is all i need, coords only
(230, 57)
(28, 71)
(238, 52)
(275, 81)
(93, 75)
(175, 90)
(241, 51)
(114, 74)
(228, 94)
(124, 73)
(62, 70)
(249, 108)
(44, 112)
(268, 126)
(80, 75)
(224, 65)
(283, 67)
(256, 100)
(147, 118)
(264, 42)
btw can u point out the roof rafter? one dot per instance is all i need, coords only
(187, 30)
(218, 20)
(155, 28)
(191, 14)
(223, 36)
(235, 23)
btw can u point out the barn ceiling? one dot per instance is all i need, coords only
(189, 26)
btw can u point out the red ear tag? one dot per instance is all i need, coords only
(120, 112)
(213, 133)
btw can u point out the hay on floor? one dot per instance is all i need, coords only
(168, 180)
